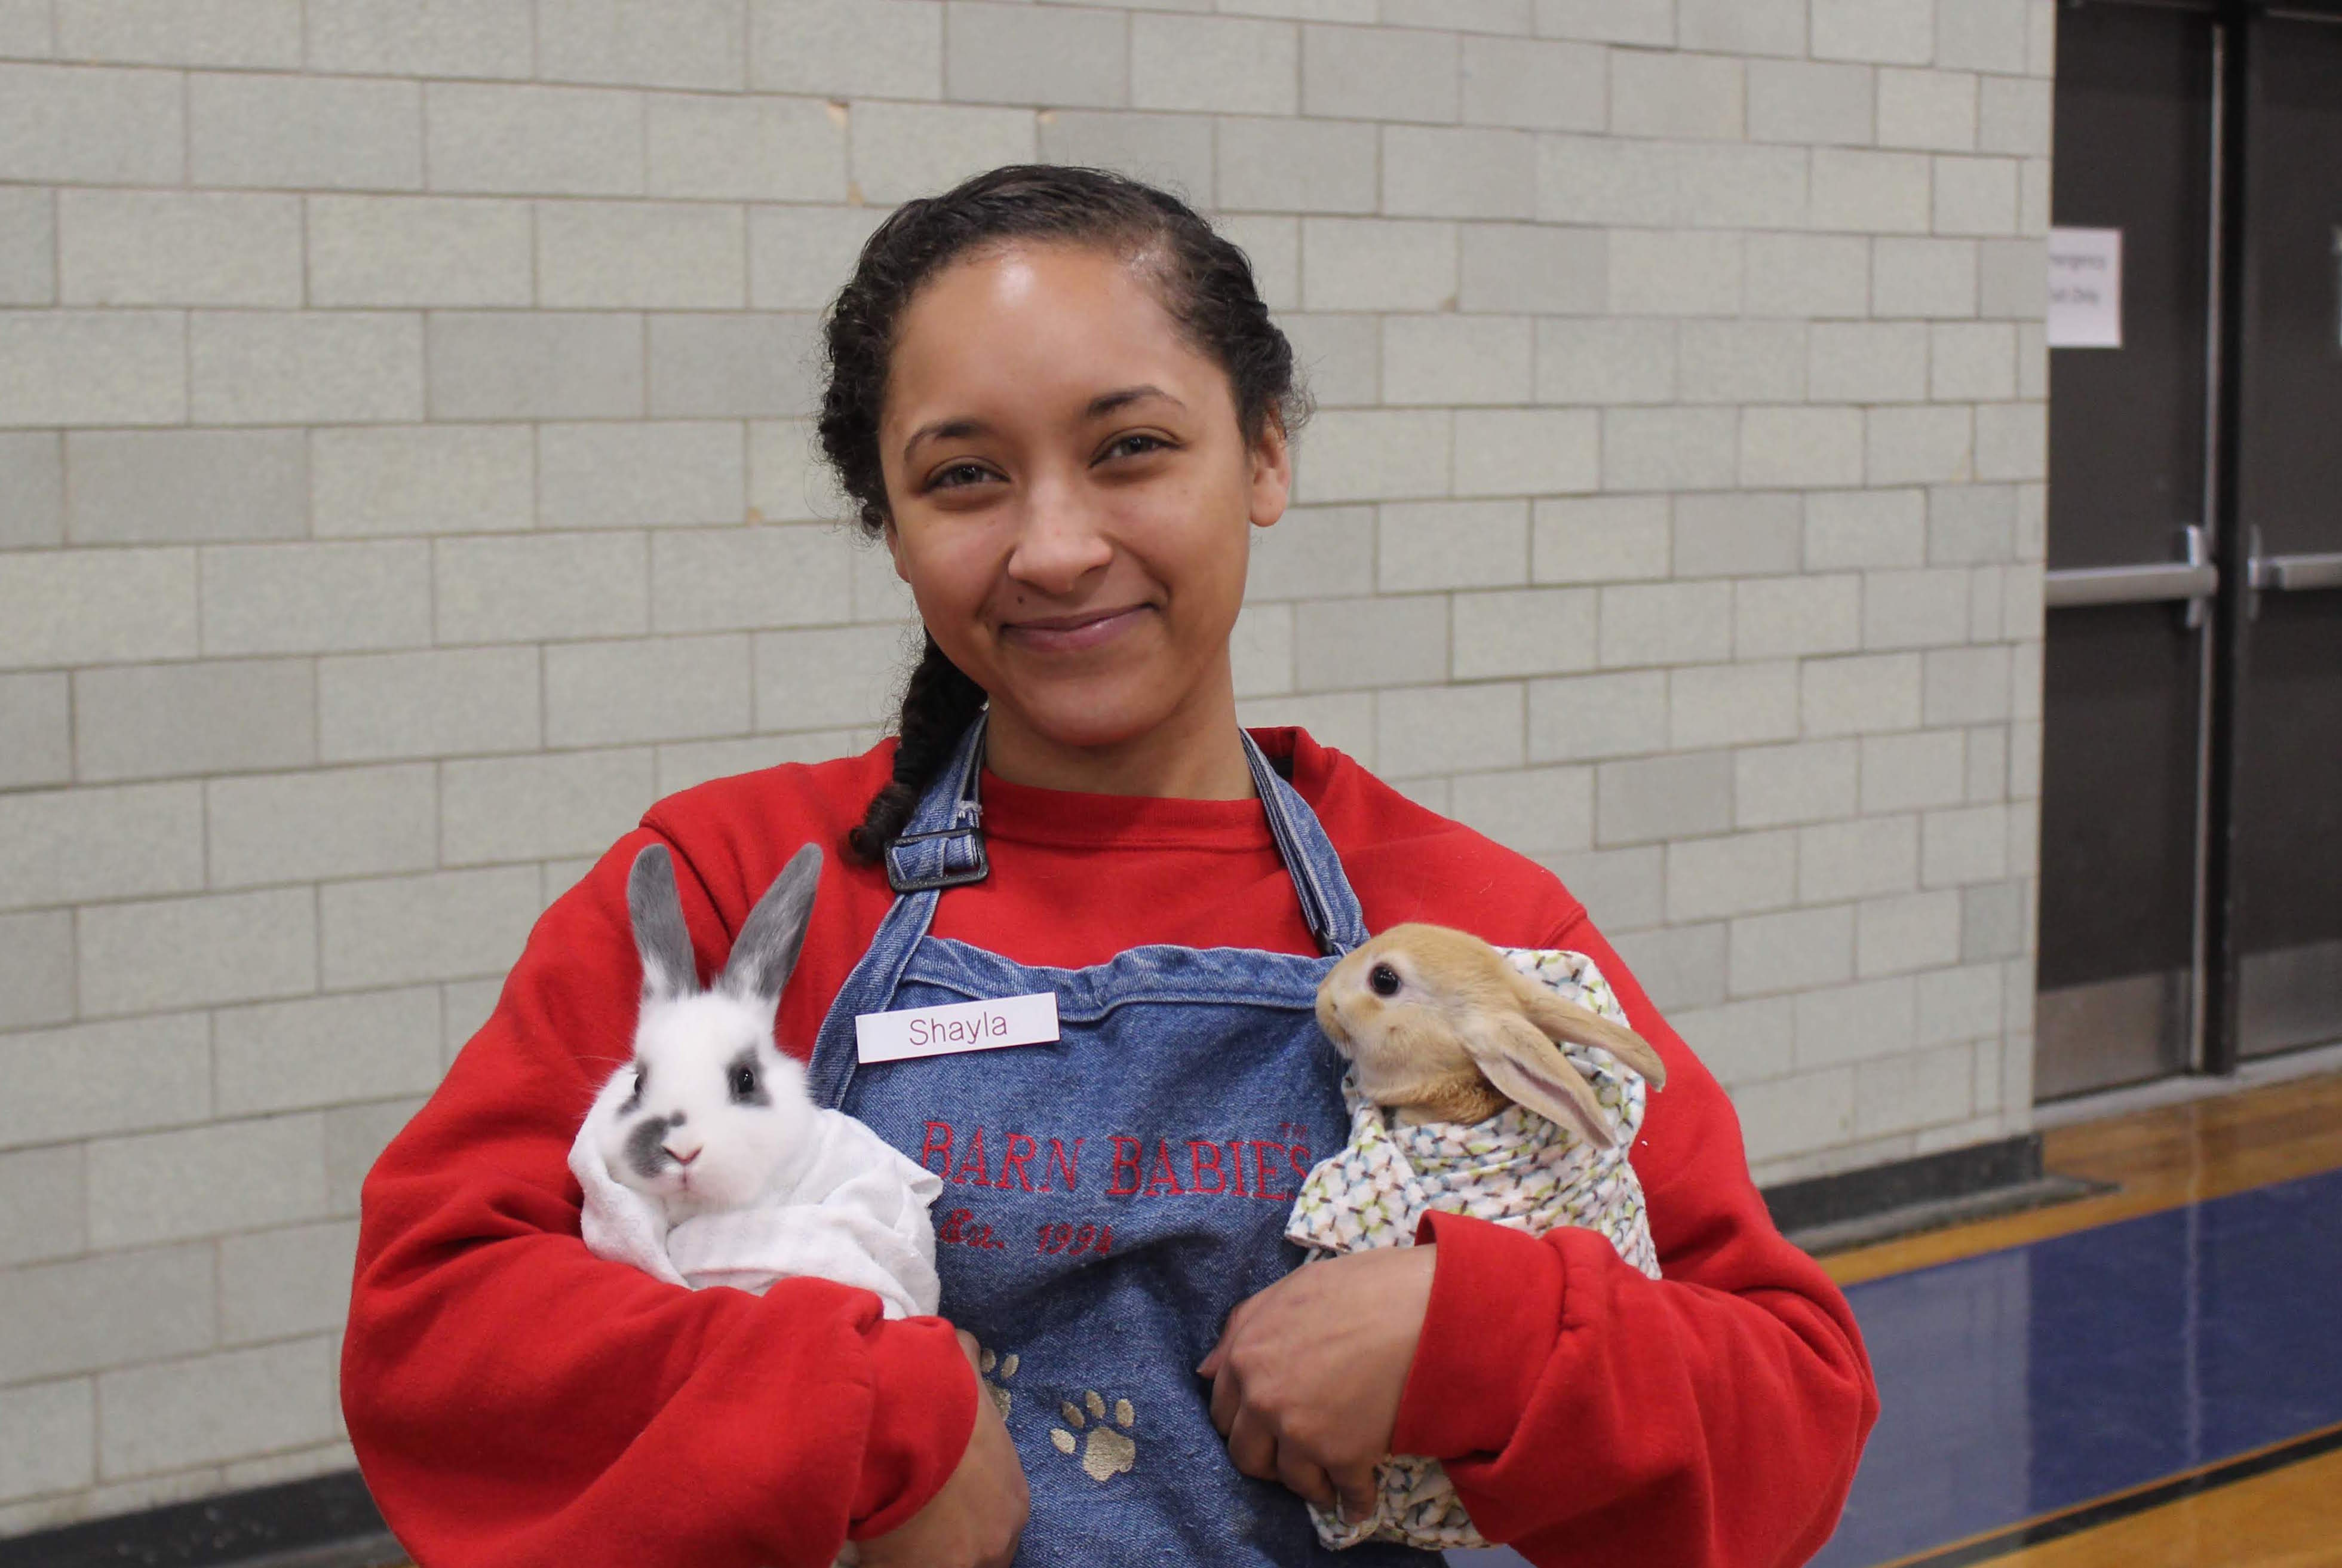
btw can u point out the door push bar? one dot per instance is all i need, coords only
(2294, 573)
(2191, 580)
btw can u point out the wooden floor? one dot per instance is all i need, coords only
(2289, 1518)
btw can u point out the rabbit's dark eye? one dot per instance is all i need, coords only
(743, 1081)
(1384, 980)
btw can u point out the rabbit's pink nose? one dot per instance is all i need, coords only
(680, 1156)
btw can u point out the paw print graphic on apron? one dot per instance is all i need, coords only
(1106, 1452)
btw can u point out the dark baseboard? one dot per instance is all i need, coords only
(1917, 1194)
(324, 1522)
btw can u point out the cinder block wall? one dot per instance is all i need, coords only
(403, 482)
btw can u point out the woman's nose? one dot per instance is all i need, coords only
(1061, 542)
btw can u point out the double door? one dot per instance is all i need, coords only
(2191, 813)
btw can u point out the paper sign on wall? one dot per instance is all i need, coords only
(2086, 288)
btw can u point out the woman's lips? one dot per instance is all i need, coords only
(1072, 633)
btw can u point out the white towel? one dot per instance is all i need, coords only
(857, 1214)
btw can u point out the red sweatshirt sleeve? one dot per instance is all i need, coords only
(514, 1400)
(1711, 1418)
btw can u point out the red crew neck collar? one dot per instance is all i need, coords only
(1027, 814)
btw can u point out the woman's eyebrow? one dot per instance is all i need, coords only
(1103, 404)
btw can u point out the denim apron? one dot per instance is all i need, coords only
(1110, 1195)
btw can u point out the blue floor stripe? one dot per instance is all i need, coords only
(2034, 1379)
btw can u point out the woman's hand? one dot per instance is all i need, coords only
(1307, 1374)
(976, 1519)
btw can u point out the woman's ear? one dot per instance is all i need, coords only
(895, 548)
(1271, 473)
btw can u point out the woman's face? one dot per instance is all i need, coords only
(1071, 493)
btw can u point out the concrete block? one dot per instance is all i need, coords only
(524, 590)
(1272, 247)
(1743, 27)
(213, 1407)
(1453, 545)
(665, 688)
(1533, 85)
(304, 133)
(1004, 54)
(749, 578)
(654, 256)
(1674, 273)
(502, 809)
(1931, 445)
(1668, 797)
(1993, 923)
(1983, 611)
(316, 598)
(1608, 21)
(325, 1051)
(2014, 117)
(1872, 692)
(1988, 764)
(1916, 1091)
(1526, 451)
(1343, 720)
(219, 715)
(63, 367)
(451, 702)
(1928, 111)
(603, 475)
(798, 257)
(168, 952)
(1743, 361)
(1871, 193)
(2013, 281)
(1970, 524)
(1858, 1023)
(264, 34)
(1930, 278)
(1174, 151)
(1907, 932)
(1680, 95)
(1388, 640)
(1380, 74)
(1681, 967)
(1725, 186)
(1811, 103)
(1501, 16)
(830, 677)
(43, 1203)
(185, 486)
(1791, 950)
(1848, 530)
(89, 606)
(35, 730)
(1811, 781)
(2012, 440)
(419, 251)
(68, 124)
(1583, 717)
(1964, 845)
(746, 149)
(1732, 704)
(847, 49)
(1339, 357)
(1610, 180)
(1444, 360)
(312, 826)
(1808, 277)
(86, 1314)
(95, 1079)
(701, 44)
(1862, 858)
(513, 140)
(1963, 1003)
(1984, 35)
(1426, 730)
(1736, 532)
(158, 247)
(1538, 269)
(66, 846)
(1739, 873)
(355, 1136)
(1667, 623)
(1622, 889)
(899, 151)
(1524, 632)
(714, 366)
(1801, 446)
(1604, 360)
(402, 930)
(1915, 609)
(1891, 32)
(276, 1283)
(1599, 539)
(1671, 448)
(1868, 361)
(1976, 196)
(1367, 455)
(429, 38)
(1468, 172)
(1375, 264)
(1535, 811)
(25, 30)
(421, 480)
(308, 367)
(32, 486)
(1910, 771)
(536, 365)
(2024, 761)
(1314, 552)
(1789, 618)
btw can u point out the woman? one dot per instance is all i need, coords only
(1056, 397)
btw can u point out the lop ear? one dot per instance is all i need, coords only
(1562, 1019)
(1530, 1068)
(660, 937)
(770, 939)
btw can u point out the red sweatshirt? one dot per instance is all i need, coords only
(514, 1400)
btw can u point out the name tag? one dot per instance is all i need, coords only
(961, 1026)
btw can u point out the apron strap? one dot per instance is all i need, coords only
(941, 843)
(1327, 902)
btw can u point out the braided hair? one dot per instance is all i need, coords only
(1202, 280)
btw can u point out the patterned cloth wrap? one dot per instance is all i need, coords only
(1516, 1169)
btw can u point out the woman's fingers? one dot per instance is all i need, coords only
(1357, 1488)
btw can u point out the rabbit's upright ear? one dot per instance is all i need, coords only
(1518, 1059)
(773, 933)
(660, 937)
